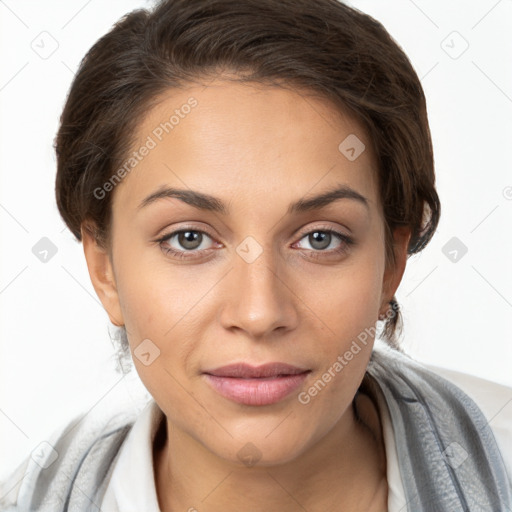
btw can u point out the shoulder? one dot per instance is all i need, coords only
(58, 467)
(450, 393)
(493, 399)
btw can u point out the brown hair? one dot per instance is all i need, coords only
(322, 46)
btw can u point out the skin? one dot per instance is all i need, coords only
(257, 148)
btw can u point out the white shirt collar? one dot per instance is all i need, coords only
(132, 483)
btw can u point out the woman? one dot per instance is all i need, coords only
(248, 179)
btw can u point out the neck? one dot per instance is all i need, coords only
(345, 470)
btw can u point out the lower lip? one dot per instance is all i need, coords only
(264, 391)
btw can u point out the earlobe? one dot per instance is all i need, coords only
(102, 275)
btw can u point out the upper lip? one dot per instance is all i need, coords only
(246, 371)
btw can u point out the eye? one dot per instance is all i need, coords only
(187, 240)
(322, 238)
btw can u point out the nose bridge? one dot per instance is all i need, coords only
(259, 301)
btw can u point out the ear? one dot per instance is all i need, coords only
(394, 272)
(102, 274)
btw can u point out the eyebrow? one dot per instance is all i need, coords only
(207, 202)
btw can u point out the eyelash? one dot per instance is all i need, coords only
(347, 242)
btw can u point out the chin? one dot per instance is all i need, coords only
(263, 447)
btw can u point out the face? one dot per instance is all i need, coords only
(255, 273)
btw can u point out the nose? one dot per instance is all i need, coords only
(258, 299)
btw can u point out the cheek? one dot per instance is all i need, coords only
(350, 298)
(166, 304)
(349, 309)
(153, 293)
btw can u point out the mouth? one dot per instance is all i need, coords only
(256, 385)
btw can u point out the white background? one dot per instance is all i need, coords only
(56, 355)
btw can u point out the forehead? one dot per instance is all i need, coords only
(245, 138)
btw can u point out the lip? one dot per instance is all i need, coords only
(247, 371)
(256, 385)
